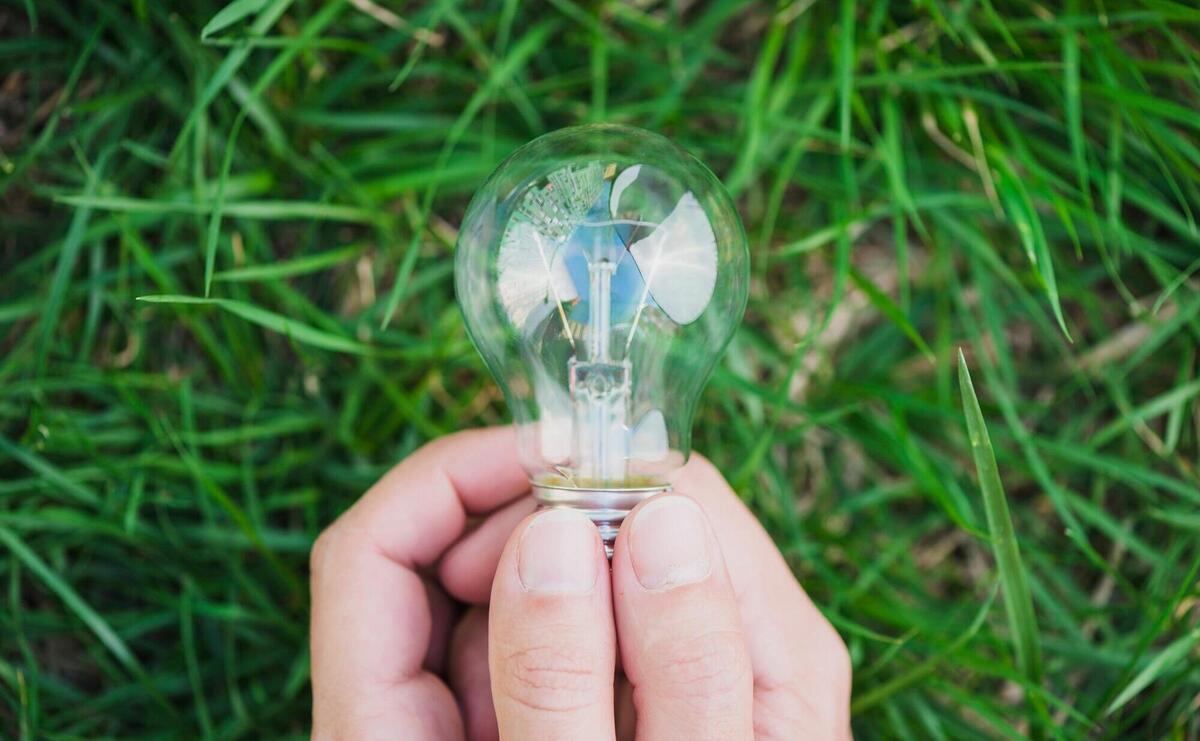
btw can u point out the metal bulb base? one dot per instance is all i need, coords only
(606, 508)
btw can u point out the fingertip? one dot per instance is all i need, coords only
(666, 542)
(550, 552)
(670, 543)
(557, 552)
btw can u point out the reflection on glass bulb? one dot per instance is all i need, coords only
(601, 271)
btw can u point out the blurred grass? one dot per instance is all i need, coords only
(1016, 180)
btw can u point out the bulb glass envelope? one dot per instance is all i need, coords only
(601, 271)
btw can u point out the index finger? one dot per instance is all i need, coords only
(420, 507)
(371, 621)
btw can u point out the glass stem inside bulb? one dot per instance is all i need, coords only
(600, 390)
(600, 274)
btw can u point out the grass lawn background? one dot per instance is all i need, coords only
(1017, 181)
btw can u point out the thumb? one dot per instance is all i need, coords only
(551, 639)
(681, 636)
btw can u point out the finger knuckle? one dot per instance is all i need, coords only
(552, 678)
(446, 445)
(320, 550)
(817, 698)
(837, 659)
(708, 666)
(780, 707)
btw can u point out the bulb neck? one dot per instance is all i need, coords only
(607, 508)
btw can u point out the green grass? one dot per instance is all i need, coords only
(1011, 180)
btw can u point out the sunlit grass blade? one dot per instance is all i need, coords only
(269, 210)
(1018, 602)
(845, 68)
(305, 265)
(214, 219)
(290, 328)
(232, 13)
(277, 66)
(1021, 210)
(1075, 109)
(1170, 658)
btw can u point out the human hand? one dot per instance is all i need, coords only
(716, 638)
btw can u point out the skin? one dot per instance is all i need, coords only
(698, 631)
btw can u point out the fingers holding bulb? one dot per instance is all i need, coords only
(374, 626)
(551, 641)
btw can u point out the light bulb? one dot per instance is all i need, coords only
(601, 271)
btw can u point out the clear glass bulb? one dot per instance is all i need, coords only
(601, 271)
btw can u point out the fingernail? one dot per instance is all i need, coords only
(669, 543)
(557, 553)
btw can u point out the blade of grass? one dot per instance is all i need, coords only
(72, 243)
(227, 69)
(232, 13)
(1018, 603)
(50, 473)
(290, 328)
(755, 105)
(845, 71)
(1163, 404)
(893, 313)
(82, 610)
(268, 210)
(1164, 661)
(290, 268)
(188, 638)
(1020, 209)
(1075, 107)
(277, 66)
(866, 701)
(500, 75)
